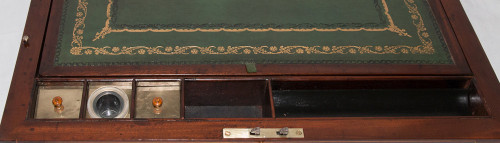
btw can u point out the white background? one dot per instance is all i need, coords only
(483, 14)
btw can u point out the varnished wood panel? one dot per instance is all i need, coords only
(464, 45)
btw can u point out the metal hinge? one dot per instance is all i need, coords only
(263, 132)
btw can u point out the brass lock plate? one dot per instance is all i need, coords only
(244, 133)
(168, 92)
(70, 93)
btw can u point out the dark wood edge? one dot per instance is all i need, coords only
(48, 69)
(239, 78)
(253, 119)
(264, 69)
(485, 79)
(26, 69)
(309, 141)
(322, 141)
(449, 35)
(315, 129)
(48, 53)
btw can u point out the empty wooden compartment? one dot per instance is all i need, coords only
(377, 98)
(227, 99)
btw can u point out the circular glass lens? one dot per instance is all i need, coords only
(108, 106)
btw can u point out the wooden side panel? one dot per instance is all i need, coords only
(25, 72)
(485, 78)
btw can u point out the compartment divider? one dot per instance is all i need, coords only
(182, 112)
(34, 98)
(132, 99)
(83, 106)
(271, 100)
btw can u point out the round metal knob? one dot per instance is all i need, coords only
(25, 40)
(157, 102)
(57, 101)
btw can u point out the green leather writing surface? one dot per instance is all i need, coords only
(125, 32)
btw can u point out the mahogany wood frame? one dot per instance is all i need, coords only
(470, 59)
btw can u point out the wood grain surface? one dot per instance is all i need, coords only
(472, 67)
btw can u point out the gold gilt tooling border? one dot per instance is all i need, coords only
(79, 49)
(390, 27)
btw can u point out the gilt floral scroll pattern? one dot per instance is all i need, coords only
(264, 50)
(79, 49)
(81, 14)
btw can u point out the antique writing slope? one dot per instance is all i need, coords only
(241, 70)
